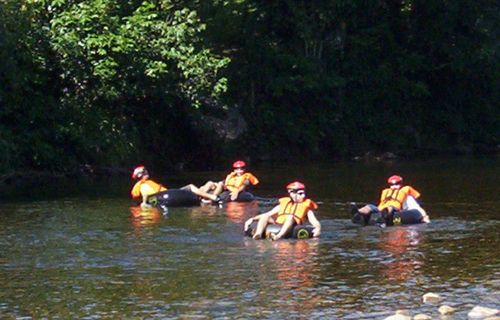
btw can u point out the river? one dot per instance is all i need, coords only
(87, 254)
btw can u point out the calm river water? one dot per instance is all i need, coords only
(89, 255)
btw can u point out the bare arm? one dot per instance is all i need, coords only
(235, 193)
(315, 222)
(267, 214)
(144, 203)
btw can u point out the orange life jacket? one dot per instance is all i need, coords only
(297, 209)
(396, 197)
(234, 182)
(136, 190)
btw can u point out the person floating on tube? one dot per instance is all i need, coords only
(291, 210)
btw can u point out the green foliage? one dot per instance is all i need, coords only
(349, 77)
(115, 82)
(96, 69)
(142, 48)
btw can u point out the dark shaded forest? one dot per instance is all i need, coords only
(192, 84)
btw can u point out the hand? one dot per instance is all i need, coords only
(145, 205)
(234, 196)
(248, 223)
(316, 232)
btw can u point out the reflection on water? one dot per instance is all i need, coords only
(144, 217)
(295, 264)
(101, 258)
(238, 212)
(402, 243)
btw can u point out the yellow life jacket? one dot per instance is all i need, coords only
(154, 186)
(396, 197)
(234, 182)
(297, 209)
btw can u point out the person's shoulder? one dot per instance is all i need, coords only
(312, 204)
(284, 201)
(385, 190)
(138, 183)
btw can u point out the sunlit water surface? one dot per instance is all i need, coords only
(94, 257)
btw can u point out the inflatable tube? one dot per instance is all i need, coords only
(242, 197)
(174, 198)
(407, 217)
(299, 231)
(404, 217)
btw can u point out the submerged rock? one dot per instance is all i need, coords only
(422, 316)
(444, 310)
(431, 297)
(479, 312)
(403, 312)
(398, 317)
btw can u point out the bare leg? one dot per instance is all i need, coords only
(219, 188)
(362, 215)
(261, 225)
(425, 216)
(197, 191)
(285, 228)
(209, 187)
(365, 210)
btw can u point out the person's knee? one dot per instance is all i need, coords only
(369, 208)
(365, 210)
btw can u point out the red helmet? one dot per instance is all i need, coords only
(394, 180)
(139, 172)
(239, 164)
(296, 186)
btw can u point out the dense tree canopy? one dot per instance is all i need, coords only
(112, 83)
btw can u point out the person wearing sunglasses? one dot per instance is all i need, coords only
(291, 210)
(395, 198)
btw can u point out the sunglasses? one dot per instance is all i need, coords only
(298, 192)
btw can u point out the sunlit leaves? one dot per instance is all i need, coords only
(96, 38)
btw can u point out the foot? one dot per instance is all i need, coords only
(274, 237)
(146, 206)
(354, 210)
(256, 236)
(218, 201)
(356, 216)
(164, 209)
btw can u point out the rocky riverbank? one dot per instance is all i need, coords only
(444, 310)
